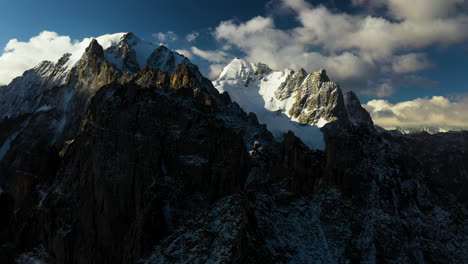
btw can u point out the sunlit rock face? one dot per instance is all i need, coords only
(125, 153)
(288, 100)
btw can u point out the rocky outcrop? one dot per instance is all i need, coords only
(292, 83)
(318, 98)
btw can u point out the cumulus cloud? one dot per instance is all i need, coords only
(185, 52)
(361, 51)
(164, 37)
(191, 36)
(423, 9)
(19, 56)
(437, 111)
(215, 70)
(216, 56)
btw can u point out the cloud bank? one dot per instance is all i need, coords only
(437, 111)
(20, 56)
(366, 53)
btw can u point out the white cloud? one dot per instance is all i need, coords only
(438, 111)
(216, 56)
(218, 59)
(19, 56)
(384, 88)
(168, 36)
(215, 70)
(185, 52)
(191, 36)
(423, 9)
(359, 51)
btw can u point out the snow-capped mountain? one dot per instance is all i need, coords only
(121, 53)
(125, 153)
(60, 92)
(286, 100)
(430, 130)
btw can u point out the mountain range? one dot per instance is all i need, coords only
(124, 153)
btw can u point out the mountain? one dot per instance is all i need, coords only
(125, 153)
(430, 130)
(287, 100)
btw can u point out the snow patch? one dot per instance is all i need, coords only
(322, 122)
(45, 108)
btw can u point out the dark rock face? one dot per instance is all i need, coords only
(441, 159)
(149, 156)
(356, 113)
(305, 166)
(152, 165)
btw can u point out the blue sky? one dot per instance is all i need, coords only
(26, 18)
(439, 67)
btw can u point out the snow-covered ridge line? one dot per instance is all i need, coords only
(123, 51)
(105, 41)
(287, 100)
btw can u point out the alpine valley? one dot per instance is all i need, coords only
(124, 153)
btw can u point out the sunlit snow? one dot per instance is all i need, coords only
(257, 95)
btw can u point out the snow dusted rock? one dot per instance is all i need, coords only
(24, 93)
(225, 234)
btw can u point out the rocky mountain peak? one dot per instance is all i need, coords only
(307, 99)
(320, 76)
(262, 69)
(63, 60)
(166, 60)
(94, 49)
(310, 99)
(318, 101)
(130, 38)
